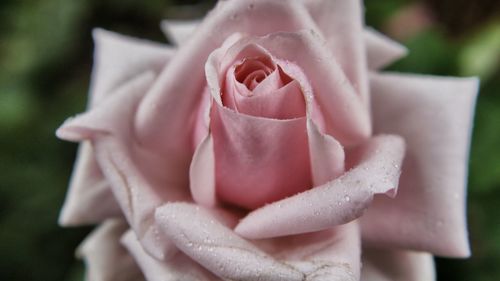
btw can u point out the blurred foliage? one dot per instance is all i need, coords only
(45, 63)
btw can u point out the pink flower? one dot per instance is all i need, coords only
(253, 151)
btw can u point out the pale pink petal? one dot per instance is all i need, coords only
(249, 149)
(326, 154)
(169, 108)
(140, 179)
(110, 115)
(336, 202)
(179, 31)
(284, 103)
(381, 50)
(177, 268)
(327, 255)
(118, 58)
(204, 236)
(87, 190)
(105, 257)
(341, 23)
(202, 174)
(397, 265)
(434, 115)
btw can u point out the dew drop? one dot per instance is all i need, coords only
(347, 198)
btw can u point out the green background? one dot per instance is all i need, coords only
(45, 63)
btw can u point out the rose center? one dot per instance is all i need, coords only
(252, 71)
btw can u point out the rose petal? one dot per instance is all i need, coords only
(202, 174)
(172, 99)
(250, 149)
(327, 155)
(87, 190)
(434, 115)
(104, 256)
(179, 31)
(285, 103)
(118, 58)
(140, 179)
(201, 236)
(341, 23)
(179, 267)
(395, 265)
(332, 254)
(334, 203)
(110, 115)
(381, 50)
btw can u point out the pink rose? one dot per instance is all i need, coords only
(253, 151)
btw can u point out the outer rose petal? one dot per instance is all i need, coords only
(205, 236)
(380, 50)
(205, 239)
(140, 179)
(395, 265)
(87, 190)
(334, 203)
(434, 115)
(179, 31)
(341, 23)
(178, 268)
(117, 59)
(332, 254)
(104, 256)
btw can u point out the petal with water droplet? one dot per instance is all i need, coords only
(318, 208)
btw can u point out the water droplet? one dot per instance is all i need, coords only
(222, 267)
(347, 198)
(316, 213)
(251, 6)
(234, 17)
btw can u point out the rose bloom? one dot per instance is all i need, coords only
(266, 146)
